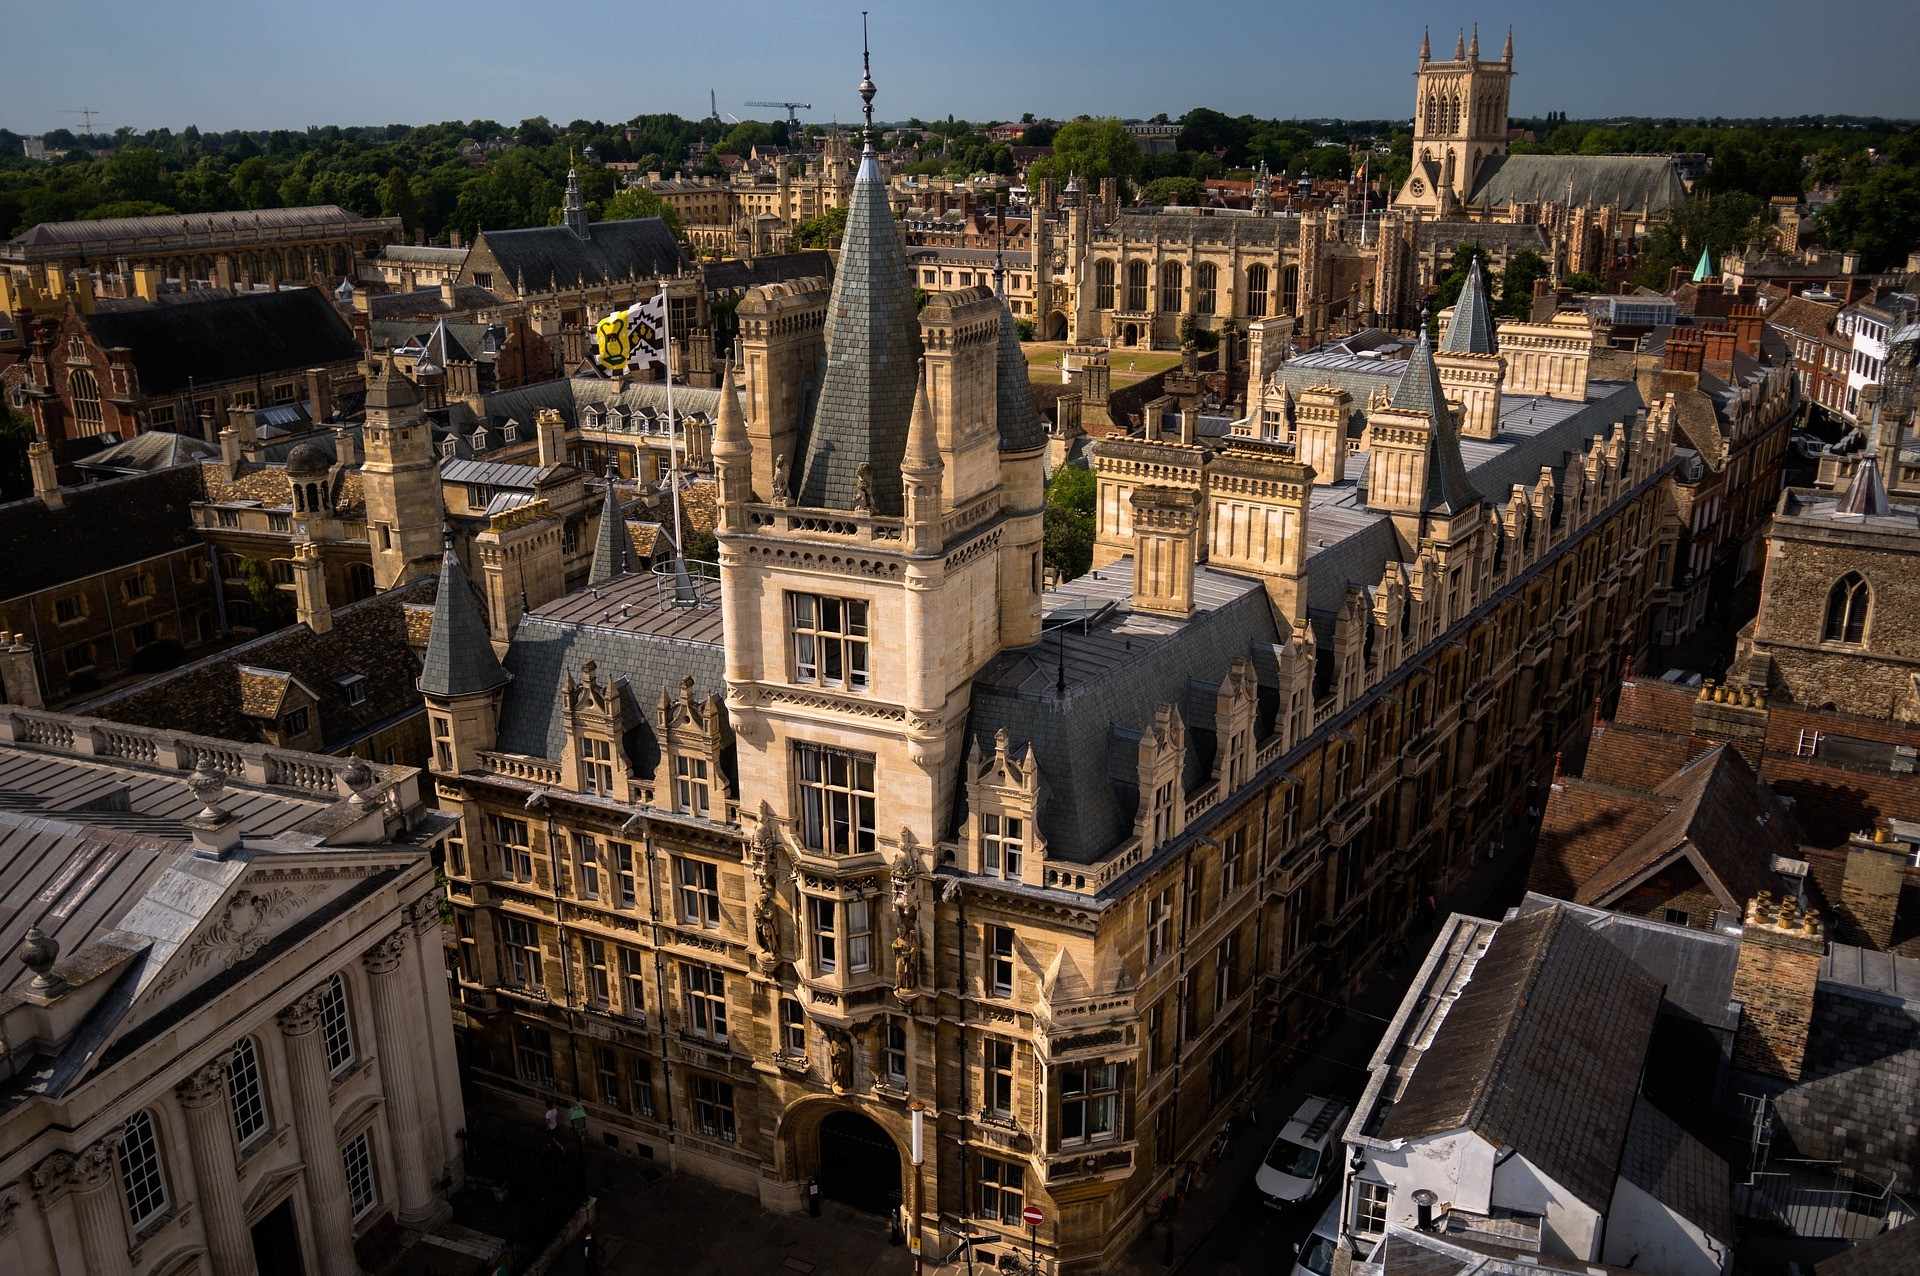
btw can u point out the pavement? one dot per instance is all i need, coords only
(653, 1221)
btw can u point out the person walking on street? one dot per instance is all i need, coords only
(553, 1118)
(589, 1254)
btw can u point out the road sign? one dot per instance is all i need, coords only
(1033, 1216)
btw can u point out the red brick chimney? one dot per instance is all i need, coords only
(1684, 354)
(1773, 980)
(1719, 345)
(1870, 892)
(1746, 328)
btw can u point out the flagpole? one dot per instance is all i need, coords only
(673, 448)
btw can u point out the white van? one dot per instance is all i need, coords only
(1303, 1154)
(1315, 1256)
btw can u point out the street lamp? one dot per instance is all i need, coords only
(919, 1113)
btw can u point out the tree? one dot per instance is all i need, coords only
(1093, 149)
(1719, 223)
(1878, 217)
(1582, 281)
(271, 605)
(1446, 288)
(1038, 135)
(823, 231)
(1516, 283)
(1067, 524)
(1173, 190)
(638, 201)
(746, 135)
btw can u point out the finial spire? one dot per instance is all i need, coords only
(999, 255)
(866, 78)
(1473, 50)
(1460, 46)
(1506, 54)
(1426, 46)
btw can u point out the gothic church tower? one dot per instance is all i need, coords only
(1459, 122)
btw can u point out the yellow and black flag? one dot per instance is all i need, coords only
(636, 335)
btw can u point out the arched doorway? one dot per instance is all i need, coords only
(1056, 327)
(859, 1164)
(1129, 335)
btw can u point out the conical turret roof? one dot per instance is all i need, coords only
(392, 388)
(1449, 490)
(1704, 271)
(613, 553)
(1471, 329)
(873, 340)
(1018, 419)
(460, 659)
(923, 448)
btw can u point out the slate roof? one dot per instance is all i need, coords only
(154, 450)
(424, 302)
(98, 527)
(1120, 664)
(1891, 1253)
(570, 396)
(1695, 966)
(460, 659)
(1014, 411)
(613, 553)
(1646, 184)
(1679, 1171)
(737, 274)
(1471, 329)
(174, 227)
(872, 335)
(232, 339)
(1449, 491)
(629, 629)
(550, 258)
(228, 693)
(1541, 1052)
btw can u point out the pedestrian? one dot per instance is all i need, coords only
(590, 1254)
(553, 1118)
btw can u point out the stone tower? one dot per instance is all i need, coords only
(401, 481)
(460, 677)
(573, 212)
(1469, 361)
(1459, 122)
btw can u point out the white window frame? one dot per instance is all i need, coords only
(1002, 845)
(704, 999)
(830, 641)
(697, 882)
(246, 1093)
(363, 1187)
(336, 1027)
(143, 1178)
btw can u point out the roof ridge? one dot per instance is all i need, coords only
(1503, 1055)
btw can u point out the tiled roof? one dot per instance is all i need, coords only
(1677, 1170)
(262, 691)
(551, 258)
(232, 339)
(1892, 1253)
(1646, 184)
(1471, 329)
(98, 526)
(873, 344)
(1019, 422)
(270, 486)
(1583, 826)
(173, 227)
(460, 659)
(1541, 1052)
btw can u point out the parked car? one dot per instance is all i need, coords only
(1314, 1257)
(1304, 1154)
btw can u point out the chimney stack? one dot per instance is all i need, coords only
(46, 475)
(1870, 892)
(19, 678)
(346, 452)
(1745, 317)
(1773, 980)
(1166, 544)
(310, 588)
(1684, 354)
(319, 395)
(551, 432)
(1719, 344)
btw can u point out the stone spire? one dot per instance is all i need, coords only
(1289, 411)
(613, 553)
(1473, 50)
(1460, 46)
(1866, 494)
(1471, 329)
(732, 455)
(1426, 46)
(1262, 189)
(1014, 413)
(922, 471)
(923, 444)
(1449, 490)
(574, 210)
(460, 659)
(1506, 54)
(873, 341)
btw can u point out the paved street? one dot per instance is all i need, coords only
(652, 1221)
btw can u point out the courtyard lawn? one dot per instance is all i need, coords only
(1043, 362)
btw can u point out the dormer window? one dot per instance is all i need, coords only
(511, 434)
(1002, 843)
(479, 440)
(596, 766)
(450, 448)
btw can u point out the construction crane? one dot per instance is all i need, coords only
(713, 106)
(792, 109)
(88, 112)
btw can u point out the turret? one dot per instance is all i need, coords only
(400, 479)
(1415, 472)
(732, 456)
(460, 677)
(1469, 362)
(573, 212)
(613, 552)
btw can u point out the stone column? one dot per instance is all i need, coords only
(442, 1111)
(331, 1217)
(394, 1013)
(88, 1178)
(210, 1143)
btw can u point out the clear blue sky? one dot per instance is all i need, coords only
(276, 64)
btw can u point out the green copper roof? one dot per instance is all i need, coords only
(1704, 271)
(459, 659)
(873, 340)
(1471, 329)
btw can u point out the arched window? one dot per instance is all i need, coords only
(1847, 607)
(1136, 285)
(1206, 280)
(85, 392)
(1256, 291)
(1171, 279)
(141, 1179)
(336, 1030)
(1289, 291)
(1103, 285)
(245, 1092)
(359, 581)
(314, 503)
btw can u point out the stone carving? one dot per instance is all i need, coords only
(906, 960)
(840, 1061)
(9, 1207)
(385, 955)
(84, 1171)
(766, 926)
(782, 488)
(303, 1016)
(863, 488)
(205, 1085)
(240, 931)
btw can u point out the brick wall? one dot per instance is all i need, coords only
(1774, 981)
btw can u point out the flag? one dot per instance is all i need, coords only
(634, 335)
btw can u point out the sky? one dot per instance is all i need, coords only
(224, 64)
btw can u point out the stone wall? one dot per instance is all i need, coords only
(1873, 679)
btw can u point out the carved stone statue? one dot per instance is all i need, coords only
(906, 961)
(782, 489)
(840, 1061)
(863, 488)
(766, 926)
